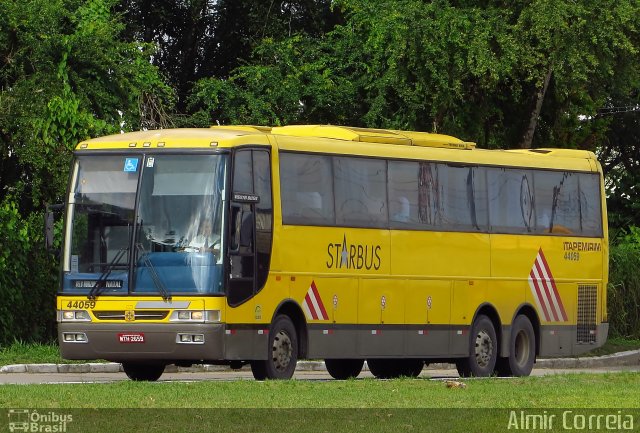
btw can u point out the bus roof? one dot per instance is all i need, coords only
(346, 140)
(181, 138)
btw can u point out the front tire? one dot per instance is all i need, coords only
(282, 355)
(483, 350)
(343, 369)
(143, 372)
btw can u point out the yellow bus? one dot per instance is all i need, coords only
(255, 245)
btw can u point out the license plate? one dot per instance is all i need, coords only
(131, 337)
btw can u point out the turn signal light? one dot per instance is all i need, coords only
(73, 316)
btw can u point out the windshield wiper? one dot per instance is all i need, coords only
(97, 289)
(157, 281)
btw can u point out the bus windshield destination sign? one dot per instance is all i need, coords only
(89, 284)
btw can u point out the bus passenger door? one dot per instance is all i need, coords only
(249, 252)
(241, 254)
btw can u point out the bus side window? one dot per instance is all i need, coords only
(590, 204)
(306, 189)
(511, 200)
(360, 188)
(557, 203)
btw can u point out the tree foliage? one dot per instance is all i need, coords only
(197, 39)
(623, 301)
(472, 70)
(65, 75)
(27, 278)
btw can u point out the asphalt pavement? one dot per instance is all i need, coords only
(306, 370)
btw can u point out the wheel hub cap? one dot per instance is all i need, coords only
(484, 349)
(281, 351)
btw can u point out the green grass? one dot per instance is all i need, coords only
(614, 345)
(362, 405)
(32, 353)
(571, 390)
(29, 353)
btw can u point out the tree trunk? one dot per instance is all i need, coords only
(533, 120)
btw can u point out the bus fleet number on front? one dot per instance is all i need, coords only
(82, 304)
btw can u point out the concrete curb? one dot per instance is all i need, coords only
(628, 358)
(620, 359)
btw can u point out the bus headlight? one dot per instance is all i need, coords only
(195, 316)
(73, 316)
(182, 315)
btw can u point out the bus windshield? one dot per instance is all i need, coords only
(169, 242)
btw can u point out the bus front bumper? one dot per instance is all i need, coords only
(130, 342)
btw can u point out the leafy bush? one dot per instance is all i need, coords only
(624, 286)
(28, 277)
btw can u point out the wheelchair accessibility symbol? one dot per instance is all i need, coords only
(131, 164)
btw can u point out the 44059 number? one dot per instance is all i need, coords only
(573, 256)
(82, 305)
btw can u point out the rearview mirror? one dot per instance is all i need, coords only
(49, 222)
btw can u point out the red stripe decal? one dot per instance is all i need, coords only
(544, 289)
(555, 288)
(539, 295)
(325, 316)
(312, 310)
(547, 292)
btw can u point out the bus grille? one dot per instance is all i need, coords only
(138, 315)
(587, 306)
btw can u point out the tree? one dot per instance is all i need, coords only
(619, 153)
(299, 80)
(581, 52)
(199, 39)
(515, 74)
(65, 75)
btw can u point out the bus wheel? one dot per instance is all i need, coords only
(382, 368)
(483, 350)
(143, 372)
(412, 367)
(283, 352)
(522, 349)
(342, 369)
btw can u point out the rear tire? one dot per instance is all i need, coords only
(259, 370)
(343, 369)
(483, 350)
(140, 372)
(522, 349)
(282, 355)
